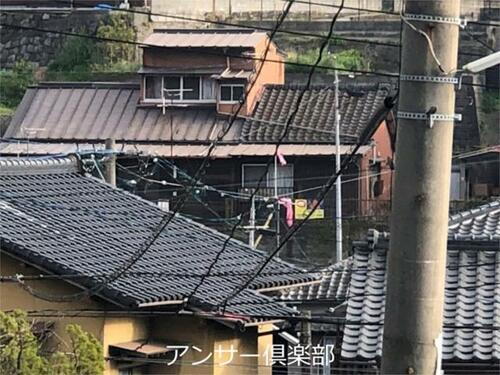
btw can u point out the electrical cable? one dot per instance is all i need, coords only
(249, 27)
(253, 58)
(168, 217)
(363, 139)
(282, 137)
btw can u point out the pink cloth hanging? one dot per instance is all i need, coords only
(287, 202)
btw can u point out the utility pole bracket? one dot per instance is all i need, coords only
(462, 23)
(430, 117)
(431, 79)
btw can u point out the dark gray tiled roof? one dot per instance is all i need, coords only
(482, 223)
(333, 286)
(55, 218)
(464, 305)
(316, 111)
(96, 111)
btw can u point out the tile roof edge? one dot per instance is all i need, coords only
(474, 212)
(41, 165)
(228, 30)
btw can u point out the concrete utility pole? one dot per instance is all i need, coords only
(419, 221)
(338, 183)
(110, 164)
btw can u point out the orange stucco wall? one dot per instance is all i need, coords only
(382, 150)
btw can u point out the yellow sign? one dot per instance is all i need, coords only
(302, 209)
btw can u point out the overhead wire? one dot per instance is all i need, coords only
(253, 58)
(246, 26)
(167, 218)
(280, 140)
(319, 198)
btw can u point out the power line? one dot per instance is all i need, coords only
(255, 27)
(280, 140)
(377, 11)
(267, 29)
(168, 217)
(253, 58)
(327, 319)
(367, 134)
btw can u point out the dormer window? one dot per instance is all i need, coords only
(179, 88)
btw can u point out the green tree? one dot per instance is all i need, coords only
(21, 352)
(13, 83)
(118, 27)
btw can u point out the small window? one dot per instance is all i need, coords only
(253, 172)
(191, 88)
(153, 87)
(172, 87)
(231, 93)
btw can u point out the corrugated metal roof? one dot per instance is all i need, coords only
(205, 38)
(92, 112)
(177, 151)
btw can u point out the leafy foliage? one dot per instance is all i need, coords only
(347, 59)
(21, 354)
(490, 102)
(81, 57)
(117, 28)
(77, 54)
(13, 83)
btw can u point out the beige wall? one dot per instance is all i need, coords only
(171, 330)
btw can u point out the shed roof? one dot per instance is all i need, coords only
(96, 111)
(204, 38)
(54, 218)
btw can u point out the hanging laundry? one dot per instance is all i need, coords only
(287, 202)
(281, 158)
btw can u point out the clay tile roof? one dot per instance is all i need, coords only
(53, 217)
(315, 119)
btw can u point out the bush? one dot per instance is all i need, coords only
(77, 55)
(347, 59)
(21, 354)
(13, 83)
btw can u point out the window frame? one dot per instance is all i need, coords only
(269, 182)
(181, 90)
(231, 85)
